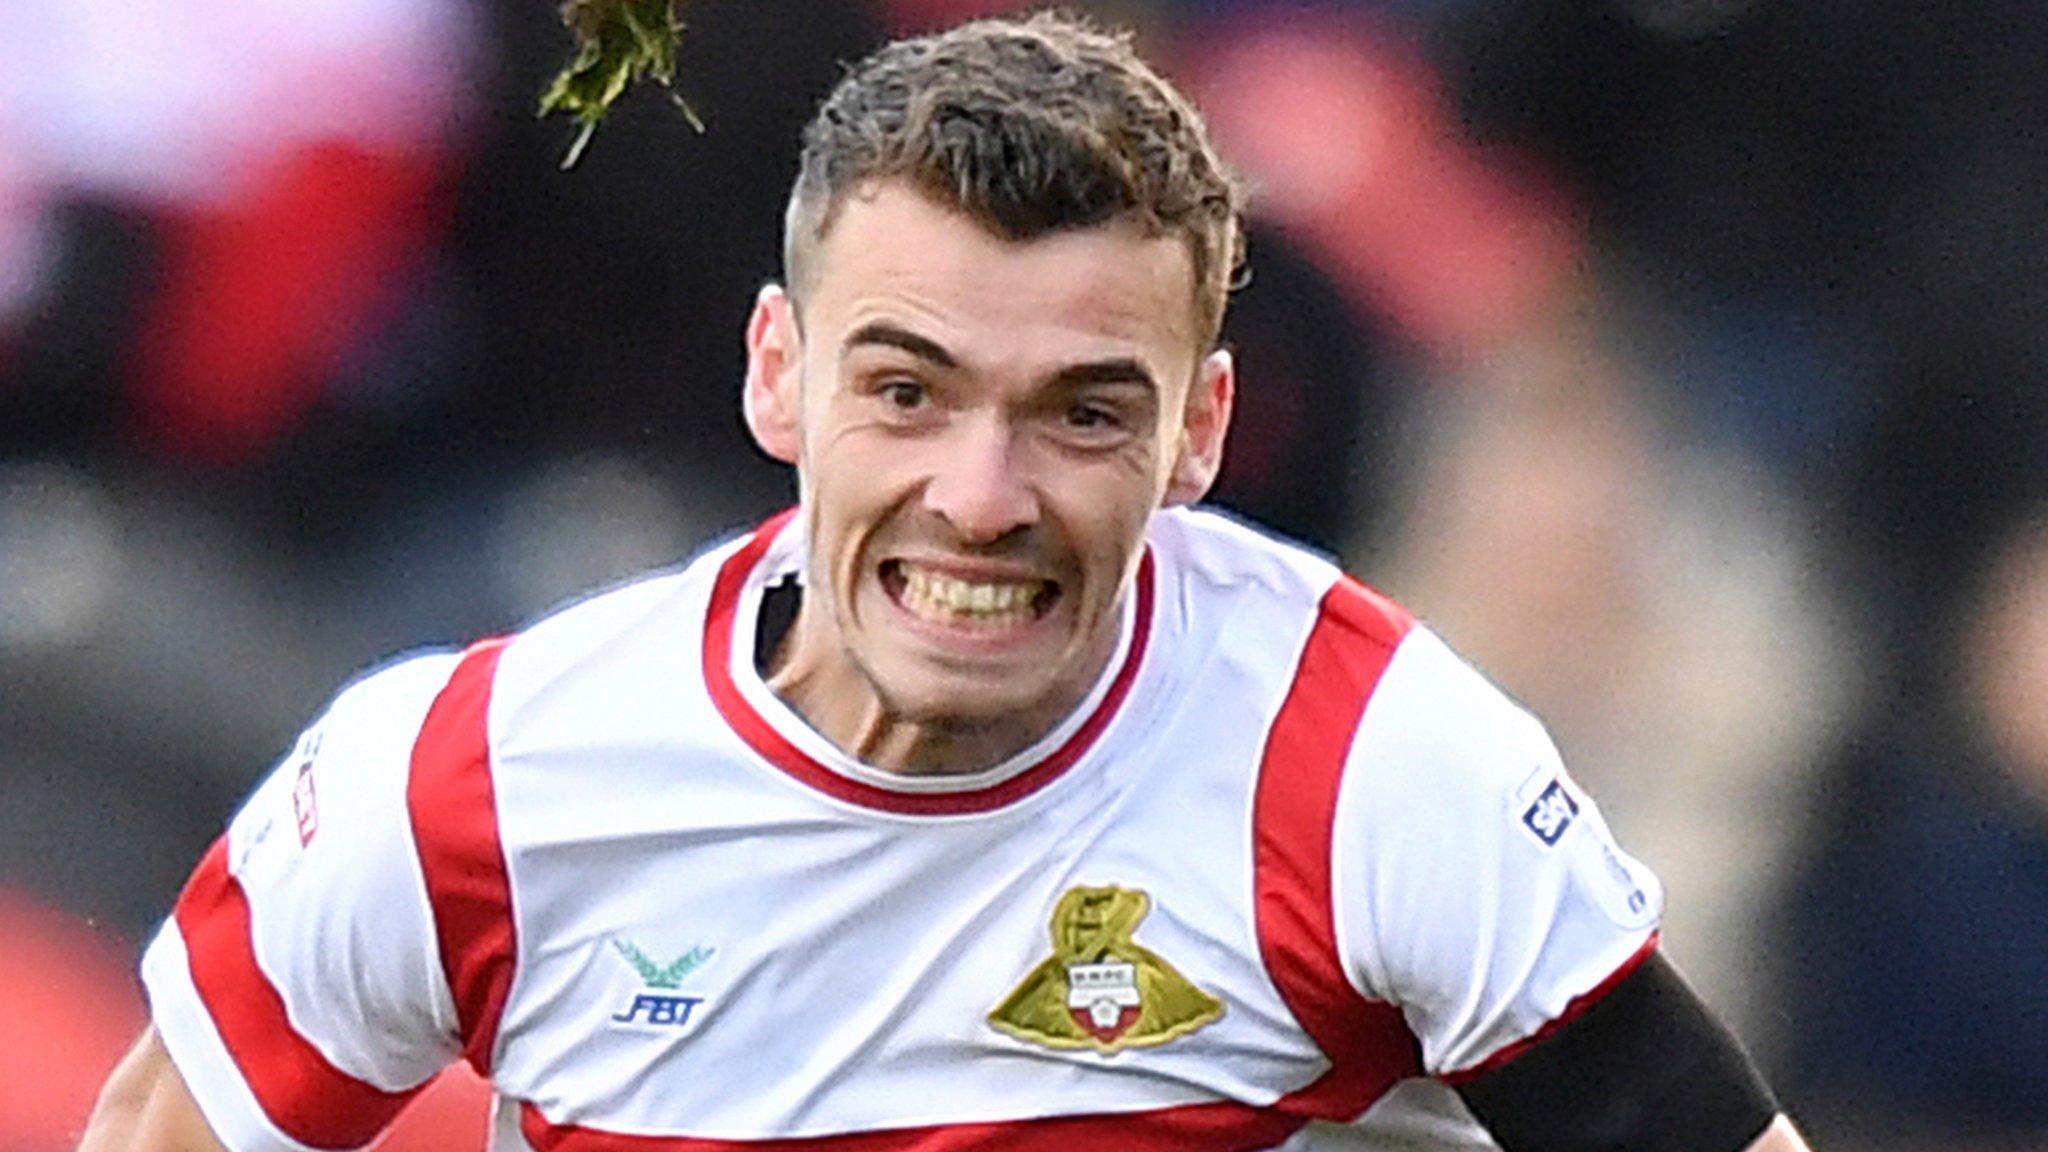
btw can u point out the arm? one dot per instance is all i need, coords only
(1484, 894)
(291, 990)
(146, 1107)
(1647, 1067)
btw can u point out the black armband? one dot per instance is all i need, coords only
(1646, 1069)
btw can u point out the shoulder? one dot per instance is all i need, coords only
(1244, 585)
(380, 714)
(1475, 884)
(1434, 713)
(1213, 551)
(388, 694)
(617, 631)
(572, 631)
(362, 743)
(1443, 762)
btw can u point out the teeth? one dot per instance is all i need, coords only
(945, 599)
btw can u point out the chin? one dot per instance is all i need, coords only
(959, 701)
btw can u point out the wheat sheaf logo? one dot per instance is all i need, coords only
(657, 975)
(1100, 988)
(663, 1006)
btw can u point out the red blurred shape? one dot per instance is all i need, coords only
(73, 1006)
(452, 1115)
(260, 297)
(1353, 147)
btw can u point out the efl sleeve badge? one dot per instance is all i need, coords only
(1101, 989)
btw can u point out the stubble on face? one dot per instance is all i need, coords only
(986, 429)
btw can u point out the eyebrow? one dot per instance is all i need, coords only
(1118, 370)
(1122, 370)
(891, 336)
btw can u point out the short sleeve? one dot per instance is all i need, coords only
(298, 984)
(1476, 886)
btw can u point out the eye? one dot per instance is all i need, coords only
(904, 395)
(1093, 418)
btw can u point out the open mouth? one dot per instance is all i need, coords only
(982, 605)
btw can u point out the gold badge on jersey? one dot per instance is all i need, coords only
(1101, 989)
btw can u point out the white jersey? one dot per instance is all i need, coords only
(1290, 871)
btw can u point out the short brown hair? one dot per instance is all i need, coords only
(1030, 125)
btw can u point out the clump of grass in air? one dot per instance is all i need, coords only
(617, 42)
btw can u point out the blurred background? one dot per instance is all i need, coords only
(1685, 362)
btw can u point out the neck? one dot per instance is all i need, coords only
(816, 677)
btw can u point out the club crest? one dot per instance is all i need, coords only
(1101, 989)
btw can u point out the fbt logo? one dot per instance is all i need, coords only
(1551, 814)
(658, 1010)
(661, 1004)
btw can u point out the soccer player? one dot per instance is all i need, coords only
(992, 797)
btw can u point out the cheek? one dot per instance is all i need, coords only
(1129, 485)
(853, 462)
(853, 485)
(1106, 504)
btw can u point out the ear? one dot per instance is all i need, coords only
(1204, 420)
(774, 362)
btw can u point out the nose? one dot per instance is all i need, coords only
(977, 485)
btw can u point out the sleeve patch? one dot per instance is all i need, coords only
(1550, 815)
(1629, 896)
(305, 804)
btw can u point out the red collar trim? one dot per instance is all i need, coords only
(763, 737)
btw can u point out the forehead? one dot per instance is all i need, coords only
(893, 253)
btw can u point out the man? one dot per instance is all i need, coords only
(989, 799)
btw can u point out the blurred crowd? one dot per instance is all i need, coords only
(1684, 362)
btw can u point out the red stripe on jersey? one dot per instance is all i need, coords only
(1293, 828)
(1572, 1011)
(298, 1088)
(777, 749)
(1222, 1126)
(454, 811)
